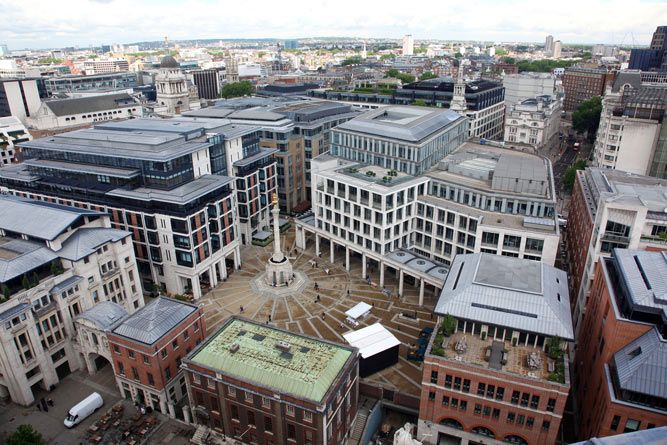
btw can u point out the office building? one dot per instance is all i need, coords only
(107, 65)
(4, 51)
(610, 209)
(12, 132)
(20, 98)
(408, 45)
(533, 122)
(653, 436)
(599, 51)
(558, 47)
(291, 44)
(581, 84)
(58, 85)
(496, 369)
(477, 199)
(549, 44)
(653, 58)
(299, 129)
(55, 263)
(208, 83)
(63, 113)
(631, 135)
(260, 384)
(168, 186)
(484, 100)
(620, 372)
(147, 348)
(528, 85)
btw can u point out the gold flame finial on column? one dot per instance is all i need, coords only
(274, 200)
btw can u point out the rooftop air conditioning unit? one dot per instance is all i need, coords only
(283, 346)
(234, 347)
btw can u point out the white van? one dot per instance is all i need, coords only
(83, 409)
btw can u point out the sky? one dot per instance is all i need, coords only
(59, 23)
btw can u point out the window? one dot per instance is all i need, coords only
(524, 399)
(463, 406)
(308, 416)
(457, 383)
(510, 417)
(251, 418)
(163, 353)
(496, 413)
(490, 391)
(291, 431)
(135, 373)
(121, 368)
(478, 408)
(186, 334)
(289, 409)
(530, 421)
(150, 379)
(448, 381)
(431, 396)
(174, 343)
(445, 401)
(235, 412)
(546, 424)
(631, 425)
(487, 411)
(466, 385)
(534, 402)
(130, 353)
(551, 405)
(266, 402)
(248, 397)
(147, 359)
(455, 403)
(231, 391)
(500, 393)
(434, 376)
(520, 419)
(268, 424)
(116, 349)
(481, 389)
(167, 373)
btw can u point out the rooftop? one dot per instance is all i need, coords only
(641, 366)
(410, 124)
(66, 107)
(104, 314)
(179, 195)
(645, 277)
(514, 293)
(18, 257)
(39, 219)
(273, 358)
(153, 321)
(86, 240)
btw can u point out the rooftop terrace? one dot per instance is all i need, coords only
(270, 357)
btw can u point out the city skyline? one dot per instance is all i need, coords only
(95, 22)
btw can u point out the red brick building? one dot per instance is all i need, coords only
(267, 386)
(147, 348)
(622, 380)
(501, 375)
(581, 84)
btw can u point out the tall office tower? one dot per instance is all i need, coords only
(654, 57)
(549, 44)
(408, 45)
(556, 53)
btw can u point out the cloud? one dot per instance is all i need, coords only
(40, 24)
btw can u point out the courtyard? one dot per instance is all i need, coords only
(321, 312)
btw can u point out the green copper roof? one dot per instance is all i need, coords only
(307, 370)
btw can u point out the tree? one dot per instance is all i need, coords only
(6, 293)
(511, 60)
(403, 77)
(449, 324)
(571, 173)
(56, 268)
(387, 56)
(25, 435)
(237, 89)
(25, 282)
(427, 75)
(355, 60)
(543, 66)
(501, 52)
(586, 118)
(458, 55)
(420, 103)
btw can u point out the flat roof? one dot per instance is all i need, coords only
(645, 276)
(273, 358)
(406, 123)
(520, 294)
(179, 195)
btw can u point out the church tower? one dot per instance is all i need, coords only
(458, 103)
(172, 89)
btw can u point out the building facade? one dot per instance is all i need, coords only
(497, 374)
(12, 132)
(581, 84)
(625, 319)
(147, 348)
(610, 209)
(528, 85)
(172, 89)
(260, 384)
(631, 135)
(20, 98)
(56, 85)
(108, 65)
(533, 122)
(207, 82)
(56, 263)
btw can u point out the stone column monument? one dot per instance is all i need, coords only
(278, 268)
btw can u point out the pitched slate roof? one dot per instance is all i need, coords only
(153, 321)
(105, 314)
(85, 241)
(516, 293)
(38, 219)
(641, 366)
(19, 256)
(103, 102)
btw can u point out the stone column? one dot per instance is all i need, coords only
(186, 414)
(331, 251)
(363, 266)
(400, 282)
(347, 258)
(196, 287)
(172, 411)
(163, 406)
(317, 244)
(213, 276)
(421, 292)
(222, 267)
(381, 274)
(237, 258)
(90, 365)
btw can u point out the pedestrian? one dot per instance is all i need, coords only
(50, 401)
(269, 317)
(322, 315)
(241, 309)
(348, 292)
(318, 298)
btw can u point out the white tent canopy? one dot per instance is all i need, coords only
(360, 310)
(371, 340)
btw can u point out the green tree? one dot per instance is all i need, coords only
(25, 435)
(237, 89)
(448, 325)
(56, 268)
(6, 293)
(501, 52)
(458, 55)
(427, 75)
(25, 282)
(543, 66)
(571, 174)
(50, 61)
(356, 60)
(35, 279)
(511, 60)
(387, 56)
(420, 103)
(586, 118)
(403, 77)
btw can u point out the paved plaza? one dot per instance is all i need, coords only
(300, 310)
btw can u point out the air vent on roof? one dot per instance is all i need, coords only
(258, 337)
(635, 352)
(283, 346)
(421, 262)
(234, 347)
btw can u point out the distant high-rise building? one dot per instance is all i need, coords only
(580, 84)
(549, 44)
(653, 58)
(291, 44)
(408, 45)
(4, 51)
(364, 53)
(556, 53)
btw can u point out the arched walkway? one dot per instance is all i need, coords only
(452, 423)
(483, 431)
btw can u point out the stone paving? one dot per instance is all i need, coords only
(338, 291)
